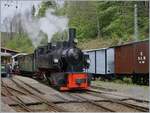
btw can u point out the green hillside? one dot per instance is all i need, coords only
(17, 42)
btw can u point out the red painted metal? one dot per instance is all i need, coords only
(72, 82)
(141, 58)
(123, 59)
(132, 58)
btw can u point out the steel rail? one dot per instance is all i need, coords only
(17, 90)
(92, 102)
(140, 108)
(18, 100)
(39, 97)
(129, 98)
(101, 88)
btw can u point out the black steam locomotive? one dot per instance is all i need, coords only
(62, 64)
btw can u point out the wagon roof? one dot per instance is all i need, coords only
(5, 54)
(23, 55)
(10, 49)
(19, 54)
(130, 43)
(116, 46)
(94, 49)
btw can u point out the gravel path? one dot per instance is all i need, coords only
(135, 91)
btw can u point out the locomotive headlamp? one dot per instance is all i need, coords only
(76, 41)
(88, 61)
(55, 60)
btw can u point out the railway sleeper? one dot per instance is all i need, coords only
(137, 107)
(93, 102)
(37, 95)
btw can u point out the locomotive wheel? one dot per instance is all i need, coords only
(143, 80)
(138, 80)
(48, 79)
(41, 76)
(146, 79)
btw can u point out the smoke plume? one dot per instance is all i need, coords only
(50, 24)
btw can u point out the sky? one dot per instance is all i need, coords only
(8, 8)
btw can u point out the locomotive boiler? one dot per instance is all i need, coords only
(63, 64)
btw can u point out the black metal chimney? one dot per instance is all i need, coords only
(72, 36)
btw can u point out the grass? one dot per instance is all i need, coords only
(118, 86)
(95, 43)
(126, 82)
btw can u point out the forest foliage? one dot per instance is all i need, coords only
(106, 22)
(108, 19)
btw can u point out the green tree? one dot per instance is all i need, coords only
(22, 44)
(44, 39)
(82, 16)
(60, 36)
(44, 6)
(104, 19)
(33, 10)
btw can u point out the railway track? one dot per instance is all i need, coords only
(34, 94)
(90, 101)
(109, 104)
(121, 101)
(83, 101)
(117, 102)
(17, 99)
(101, 88)
(115, 94)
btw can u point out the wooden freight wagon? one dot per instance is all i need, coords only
(133, 59)
(102, 62)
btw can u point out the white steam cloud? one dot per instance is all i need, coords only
(50, 24)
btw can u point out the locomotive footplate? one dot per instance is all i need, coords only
(76, 81)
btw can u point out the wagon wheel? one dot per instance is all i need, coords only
(134, 79)
(146, 79)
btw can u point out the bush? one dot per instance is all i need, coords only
(127, 80)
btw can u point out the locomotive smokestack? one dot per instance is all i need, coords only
(72, 35)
